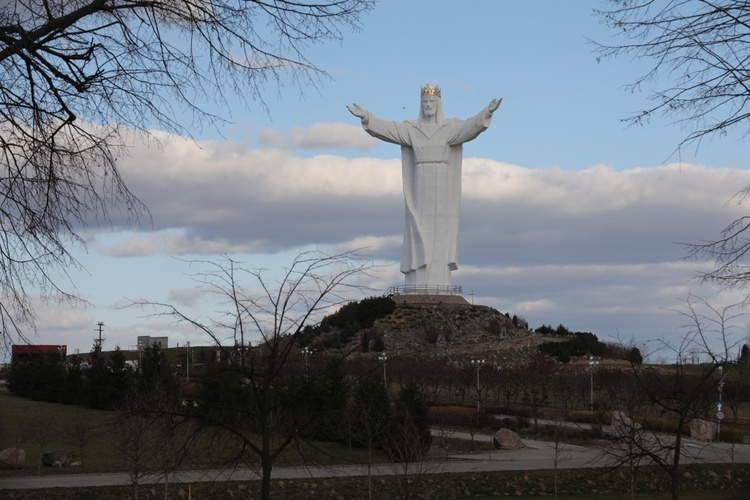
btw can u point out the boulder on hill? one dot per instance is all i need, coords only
(12, 458)
(702, 430)
(506, 439)
(57, 458)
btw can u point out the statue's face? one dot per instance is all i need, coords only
(429, 105)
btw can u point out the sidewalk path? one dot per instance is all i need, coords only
(534, 456)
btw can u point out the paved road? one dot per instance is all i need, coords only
(535, 455)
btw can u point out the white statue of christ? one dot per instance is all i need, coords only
(431, 153)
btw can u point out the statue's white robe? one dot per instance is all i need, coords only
(431, 162)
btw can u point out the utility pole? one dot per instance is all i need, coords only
(98, 342)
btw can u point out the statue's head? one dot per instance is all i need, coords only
(430, 90)
(431, 106)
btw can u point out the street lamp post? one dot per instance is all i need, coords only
(721, 407)
(187, 359)
(592, 365)
(478, 363)
(306, 353)
(383, 359)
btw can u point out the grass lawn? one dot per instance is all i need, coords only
(37, 426)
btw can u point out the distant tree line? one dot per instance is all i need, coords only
(339, 328)
(549, 330)
(584, 344)
(100, 381)
(323, 403)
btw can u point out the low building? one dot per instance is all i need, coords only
(28, 351)
(146, 341)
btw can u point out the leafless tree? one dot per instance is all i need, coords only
(369, 418)
(410, 467)
(21, 433)
(561, 452)
(258, 394)
(699, 48)
(627, 430)
(81, 431)
(713, 331)
(433, 376)
(152, 438)
(79, 78)
(444, 426)
(737, 388)
(452, 378)
(729, 252)
(537, 382)
(702, 48)
(42, 435)
(511, 383)
(468, 379)
(564, 387)
(134, 436)
(677, 393)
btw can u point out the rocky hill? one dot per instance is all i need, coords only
(445, 327)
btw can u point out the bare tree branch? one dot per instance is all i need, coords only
(700, 48)
(78, 76)
(261, 413)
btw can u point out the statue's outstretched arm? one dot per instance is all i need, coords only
(357, 111)
(494, 104)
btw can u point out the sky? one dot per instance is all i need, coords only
(569, 216)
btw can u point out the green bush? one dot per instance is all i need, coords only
(581, 416)
(558, 432)
(362, 313)
(464, 416)
(516, 411)
(587, 417)
(665, 424)
(731, 435)
(581, 344)
(451, 416)
(409, 436)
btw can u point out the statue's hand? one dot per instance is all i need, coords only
(357, 110)
(494, 104)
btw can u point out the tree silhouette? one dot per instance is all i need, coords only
(253, 397)
(79, 78)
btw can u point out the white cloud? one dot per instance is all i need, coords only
(177, 243)
(600, 188)
(223, 197)
(318, 135)
(62, 316)
(366, 245)
(545, 229)
(595, 249)
(186, 297)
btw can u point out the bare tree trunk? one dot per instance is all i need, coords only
(675, 470)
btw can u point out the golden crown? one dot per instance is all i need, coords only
(430, 90)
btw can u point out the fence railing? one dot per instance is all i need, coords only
(425, 290)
